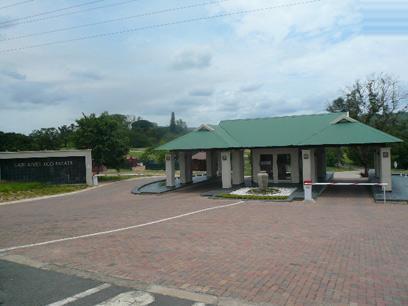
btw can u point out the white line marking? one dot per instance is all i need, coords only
(80, 295)
(116, 230)
(130, 298)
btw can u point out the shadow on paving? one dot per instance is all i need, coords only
(347, 192)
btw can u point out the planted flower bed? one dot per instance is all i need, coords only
(271, 193)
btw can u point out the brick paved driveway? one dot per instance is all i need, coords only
(342, 250)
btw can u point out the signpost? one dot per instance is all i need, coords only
(57, 167)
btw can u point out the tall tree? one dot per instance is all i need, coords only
(173, 126)
(107, 136)
(374, 101)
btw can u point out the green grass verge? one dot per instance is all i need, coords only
(251, 197)
(115, 177)
(11, 191)
(123, 172)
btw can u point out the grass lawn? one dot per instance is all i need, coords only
(136, 153)
(11, 191)
(112, 175)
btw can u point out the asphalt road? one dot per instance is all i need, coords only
(21, 285)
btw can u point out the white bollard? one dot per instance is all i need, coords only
(95, 180)
(307, 187)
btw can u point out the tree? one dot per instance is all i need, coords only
(334, 157)
(173, 126)
(46, 139)
(374, 101)
(15, 142)
(144, 133)
(66, 134)
(181, 126)
(143, 125)
(107, 136)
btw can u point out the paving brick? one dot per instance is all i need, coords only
(344, 249)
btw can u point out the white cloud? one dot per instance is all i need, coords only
(283, 19)
(192, 59)
(283, 61)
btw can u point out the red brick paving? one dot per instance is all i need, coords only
(341, 250)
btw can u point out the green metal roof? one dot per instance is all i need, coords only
(304, 130)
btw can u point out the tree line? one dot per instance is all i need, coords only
(377, 101)
(110, 136)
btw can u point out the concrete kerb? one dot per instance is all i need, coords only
(117, 281)
(173, 189)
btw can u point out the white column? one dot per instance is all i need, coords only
(385, 158)
(170, 170)
(307, 158)
(182, 165)
(88, 168)
(237, 167)
(377, 163)
(226, 169)
(185, 163)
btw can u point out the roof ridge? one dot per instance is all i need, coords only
(321, 130)
(287, 116)
(236, 142)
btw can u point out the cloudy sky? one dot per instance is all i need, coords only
(278, 57)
